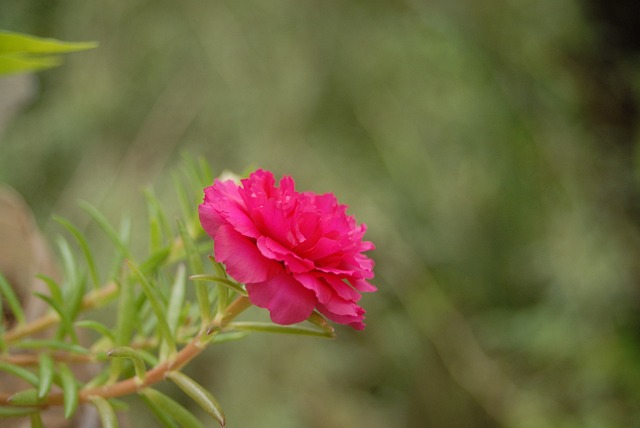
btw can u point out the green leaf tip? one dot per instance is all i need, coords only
(134, 356)
(12, 300)
(46, 368)
(201, 396)
(108, 416)
(26, 397)
(11, 42)
(168, 410)
(21, 52)
(156, 306)
(69, 390)
(19, 372)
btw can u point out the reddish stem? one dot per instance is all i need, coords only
(156, 374)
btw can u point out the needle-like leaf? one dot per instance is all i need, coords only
(12, 300)
(195, 265)
(131, 354)
(107, 228)
(108, 416)
(45, 366)
(20, 372)
(201, 396)
(170, 409)
(219, 280)
(84, 246)
(157, 307)
(282, 329)
(69, 390)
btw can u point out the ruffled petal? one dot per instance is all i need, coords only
(286, 299)
(209, 219)
(343, 312)
(294, 251)
(321, 289)
(224, 197)
(243, 260)
(275, 251)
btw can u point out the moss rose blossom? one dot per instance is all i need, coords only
(294, 251)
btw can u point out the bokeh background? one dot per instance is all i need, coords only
(489, 145)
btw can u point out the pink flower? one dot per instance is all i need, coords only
(295, 252)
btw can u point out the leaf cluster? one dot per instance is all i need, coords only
(169, 304)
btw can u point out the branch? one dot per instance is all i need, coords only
(159, 372)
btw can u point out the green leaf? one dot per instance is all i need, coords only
(318, 320)
(218, 280)
(54, 288)
(13, 412)
(45, 365)
(21, 43)
(21, 52)
(10, 64)
(175, 306)
(74, 289)
(12, 300)
(126, 313)
(161, 413)
(148, 357)
(26, 397)
(68, 262)
(193, 256)
(156, 306)
(155, 260)
(282, 329)
(69, 390)
(108, 416)
(84, 246)
(107, 228)
(100, 379)
(65, 322)
(204, 172)
(201, 396)
(195, 265)
(176, 301)
(197, 171)
(229, 336)
(51, 344)
(126, 319)
(158, 224)
(172, 410)
(36, 420)
(131, 354)
(20, 372)
(186, 202)
(102, 329)
(223, 283)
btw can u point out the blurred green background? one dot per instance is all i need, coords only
(489, 146)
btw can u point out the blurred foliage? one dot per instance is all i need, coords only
(489, 146)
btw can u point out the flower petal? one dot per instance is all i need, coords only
(322, 291)
(275, 251)
(225, 199)
(243, 260)
(343, 312)
(209, 219)
(295, 251)
(287, 300)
